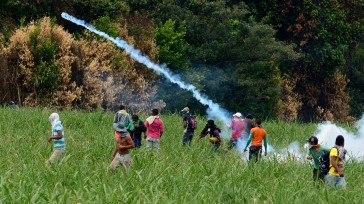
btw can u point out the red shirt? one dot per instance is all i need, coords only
(155, 129)
(237, 127)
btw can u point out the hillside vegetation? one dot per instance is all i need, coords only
(287, 60)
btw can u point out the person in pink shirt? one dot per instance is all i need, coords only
(237, 127)
(154, 130)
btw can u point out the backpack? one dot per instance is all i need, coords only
(191, 123)
(324, 162)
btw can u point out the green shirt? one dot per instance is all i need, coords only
(316, 155)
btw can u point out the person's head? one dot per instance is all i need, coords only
(313, 141)
(237, 114)
(122, 107)
(155, 112)
(211, 123)
(249, 116)
(135, 118)
(339, 140)
(258, 121)
(53, 118)
(185, 111)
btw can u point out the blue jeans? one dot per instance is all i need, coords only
(137, 141)
(335, 181)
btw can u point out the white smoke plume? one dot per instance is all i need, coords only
(354, 142)
(214, 110)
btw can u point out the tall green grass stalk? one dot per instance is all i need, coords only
(174, 174)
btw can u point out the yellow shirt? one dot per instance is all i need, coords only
(334, 152)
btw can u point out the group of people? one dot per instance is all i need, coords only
(330, 171)
(242, 130)
(128, 134)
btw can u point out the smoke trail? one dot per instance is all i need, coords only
(327, 133)
(214, 110)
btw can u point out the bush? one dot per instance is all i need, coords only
(45, 66)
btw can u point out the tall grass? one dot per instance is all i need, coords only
(175, 174)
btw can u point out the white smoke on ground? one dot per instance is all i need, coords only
(214, 111)
(327, 133)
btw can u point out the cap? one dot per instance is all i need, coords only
(249, 116)
(237, 114)
(312, 139)
(185, 109)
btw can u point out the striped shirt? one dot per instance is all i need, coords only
(61, 143)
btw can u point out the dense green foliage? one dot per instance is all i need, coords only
(239, 53)
(45, 74)
(172, 175)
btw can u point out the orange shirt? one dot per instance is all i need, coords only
(258, 136)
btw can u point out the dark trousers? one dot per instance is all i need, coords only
(137, 141)
(255, 152)
(187, 138)
(215, 146)
(232, 143)
(317, 175)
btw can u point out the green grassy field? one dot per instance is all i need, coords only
(173, 175)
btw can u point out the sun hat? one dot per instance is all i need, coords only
(185, 109)
(119, 127)
(237, 114)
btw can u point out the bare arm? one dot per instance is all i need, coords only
(59, 136)
(334, 164)
(115, 151)
(184, 123)
(200, 137)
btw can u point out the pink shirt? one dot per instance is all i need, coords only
(155, 129)
(237, 127)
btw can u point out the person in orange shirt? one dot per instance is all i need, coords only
(257, 136)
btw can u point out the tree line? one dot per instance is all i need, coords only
(289, 60)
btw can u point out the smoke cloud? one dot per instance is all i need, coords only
(354, 141)
(213, 111)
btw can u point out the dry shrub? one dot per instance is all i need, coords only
(21, 61)
(337, 107)
(108, 82)
(92, 73)
(291, 102)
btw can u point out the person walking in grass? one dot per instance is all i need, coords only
(248, 125)
(59, 142)
(155, 130)
(335, 177)
(257, 136)
(121, 154)
(189, 125)
(237, 127)
(136, 128)
(315, 150)
(121, 122)
(214, 133)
